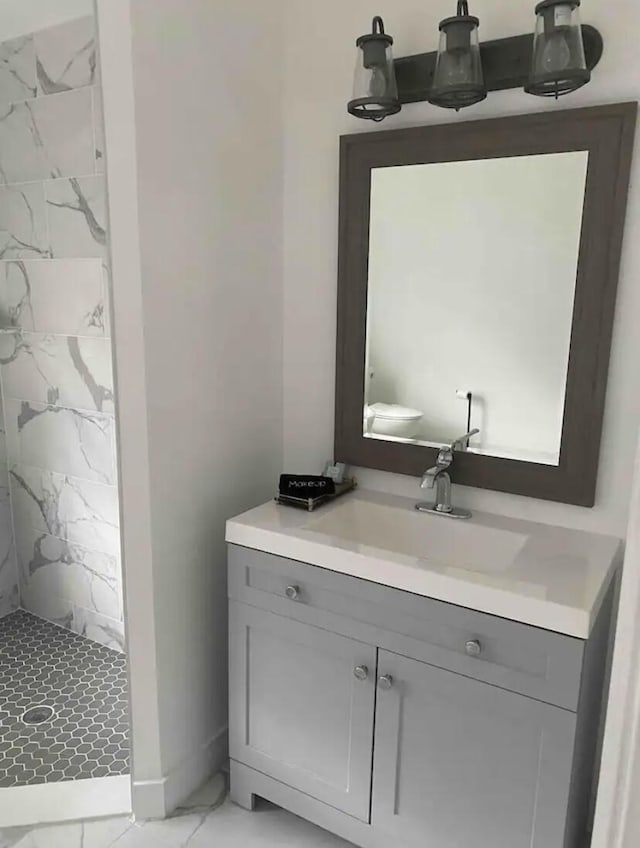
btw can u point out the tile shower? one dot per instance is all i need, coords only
(59, 525)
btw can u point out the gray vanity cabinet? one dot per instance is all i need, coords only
(461, 763)
(394, 719)
(304, 717)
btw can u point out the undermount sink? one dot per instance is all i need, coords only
(465, 545)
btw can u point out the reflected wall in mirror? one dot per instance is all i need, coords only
(478, 270)
(471, 285)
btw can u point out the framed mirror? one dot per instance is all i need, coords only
(477, 282)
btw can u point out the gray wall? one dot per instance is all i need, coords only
(194, 147)
(317, 86)
(55, 348)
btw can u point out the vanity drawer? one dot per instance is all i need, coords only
(537, 663)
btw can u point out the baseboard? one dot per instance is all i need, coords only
(157, 799)
(52, 803)
(148, 799)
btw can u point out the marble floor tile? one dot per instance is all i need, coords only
(267, 827)
(225, 827)
(207, 798)
(10, 838)
(188, 819)
(96, 834)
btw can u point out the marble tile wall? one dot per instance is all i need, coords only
(57, 446)
(9, 593)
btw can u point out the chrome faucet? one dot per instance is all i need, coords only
(439, 477)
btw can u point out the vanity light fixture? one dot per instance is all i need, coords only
(375, 91)
(559, 61)
(458, 80)
(556, 61)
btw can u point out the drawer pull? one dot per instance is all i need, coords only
(385, 682)
(361, 672)
(293, 593)
(473, 648)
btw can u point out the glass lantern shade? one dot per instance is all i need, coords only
(559, 64)
(375, 90)
(458, 80)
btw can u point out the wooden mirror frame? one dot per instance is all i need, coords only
(607, 133)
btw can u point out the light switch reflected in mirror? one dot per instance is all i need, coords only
(472, 278)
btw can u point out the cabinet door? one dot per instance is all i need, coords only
(298, 711)
(460, 763)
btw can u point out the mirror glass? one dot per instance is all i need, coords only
(472, 277)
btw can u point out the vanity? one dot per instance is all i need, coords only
(395, 698)
(402, 672)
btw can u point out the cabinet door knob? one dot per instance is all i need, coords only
(361, 672)
(473, 648)
(292, 592)
(385, 682)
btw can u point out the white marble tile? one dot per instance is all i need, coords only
(50, 567)
(51, 608)
(66, 56)
(95, 834)
(94, 626)
(99, 628)
(23, 222)
(107, 289)
(98, 129)
(64, 296)
(189, 818)
(47, 138)
(207, 797)
(61, 370)
(3, 445)
(9, 596)
(267, 827)
(227, 827)
(17, 70)
(9, 838)
(79, 511)
(172, 832)
(135, 837)
(80, 444)
(77, 216)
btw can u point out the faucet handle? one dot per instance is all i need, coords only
(463, 442)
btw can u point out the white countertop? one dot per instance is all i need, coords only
(556, 578)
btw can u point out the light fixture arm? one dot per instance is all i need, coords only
(505, 61)
(463, 8)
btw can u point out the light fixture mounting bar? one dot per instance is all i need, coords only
(506, 63)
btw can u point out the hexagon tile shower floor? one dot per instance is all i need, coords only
(84, 733)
